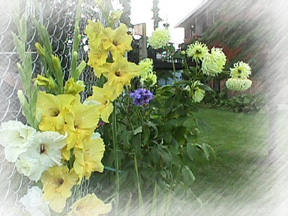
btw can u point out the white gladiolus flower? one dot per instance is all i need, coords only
(15, 138)
(34, 202)
(47, 146)
(44, 152)
(96, 135)
(30, 167)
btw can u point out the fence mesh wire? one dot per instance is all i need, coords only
(59, 18)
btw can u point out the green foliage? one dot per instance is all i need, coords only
(245, 103)
(76, 71)
(27, 99)
(51, 63)
(158, 142)
(241, 103)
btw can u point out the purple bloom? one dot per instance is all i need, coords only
(142, 96)
(101, 123)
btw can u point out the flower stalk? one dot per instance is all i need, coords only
(116, 156)
(140, 199)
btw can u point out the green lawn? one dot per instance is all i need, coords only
(239, 140)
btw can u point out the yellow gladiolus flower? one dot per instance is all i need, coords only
(103, 41)
(88, 206)
(74, 88)
(97, 54)
(66, 115)
(84, 121)
(80, 124)
(57, 184)
(119, 42)
(79, 163)
(53, 109)
(88, 160)
(49, 83)
(94, 151)
(114, 17)
(119, 74)
(102, 97)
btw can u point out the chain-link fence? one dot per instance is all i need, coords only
(59, 18)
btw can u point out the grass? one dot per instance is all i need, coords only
(240, 143)
(239, 140)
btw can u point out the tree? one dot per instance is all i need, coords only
(125, 17)
(156, 16)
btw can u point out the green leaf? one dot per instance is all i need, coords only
(191, 151)
(58, 73)
(188, 176)
(165, 155)
(190, 123)
(152, 125)
(208, 150)
(205, 150)
(80, 68)
(146, 135)
(137, 130)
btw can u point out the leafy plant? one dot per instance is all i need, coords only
(157, 142)
(245, 103)
(241, 103)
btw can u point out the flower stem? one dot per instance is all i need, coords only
(167, 203)
(138, 182)
(174, 69)
(116, 158)
(196, 62)
(155, 201)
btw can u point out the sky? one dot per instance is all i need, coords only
(171, 11)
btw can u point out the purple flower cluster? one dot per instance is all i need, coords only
(141, 96)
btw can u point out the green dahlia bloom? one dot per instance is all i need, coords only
(197, 51)
(240, 70)
(196, 92)
(146, 66)
(149, 80)
(183, 52)
(148, 77)
(237, 84)
(213, 63)
(159, 38)
(198, 95)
